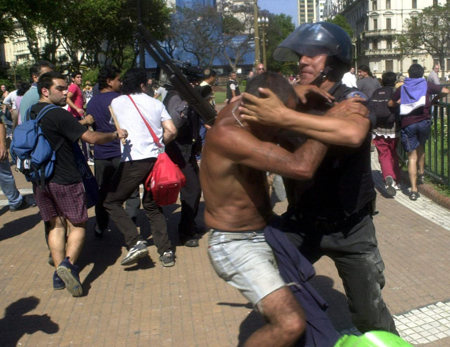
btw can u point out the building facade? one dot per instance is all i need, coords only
(375, 24)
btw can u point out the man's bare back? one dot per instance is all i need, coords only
(237, 196)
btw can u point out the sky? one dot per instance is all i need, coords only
(288, 7)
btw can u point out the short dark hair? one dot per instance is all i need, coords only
(23, 88)
(46, 80)
(75, 74)
(133, 79)
(105, 73)
(273, 81)
(389, 79)
(35, 69)
(415, 71)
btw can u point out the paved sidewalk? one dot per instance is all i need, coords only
(187, 305)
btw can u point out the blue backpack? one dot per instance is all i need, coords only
(31, 151)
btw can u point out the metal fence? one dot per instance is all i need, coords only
(437, 153)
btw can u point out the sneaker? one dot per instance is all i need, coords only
(50, 260)
(398, 186)
(69, 275)
(90, 162)
(414, 196)
(390, 186)
(136, 252)
(23, 205)
(167, 259)
(58, 283)
(98, 232)
(193, 242)
(420, 178)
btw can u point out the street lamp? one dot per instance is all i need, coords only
(255, 16)
(263, 22)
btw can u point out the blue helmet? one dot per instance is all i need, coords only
(312, 39)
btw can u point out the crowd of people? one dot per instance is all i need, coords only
(274, 126)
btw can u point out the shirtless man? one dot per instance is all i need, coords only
(236, 157)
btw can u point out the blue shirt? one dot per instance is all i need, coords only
(30, 98)
(98, 108)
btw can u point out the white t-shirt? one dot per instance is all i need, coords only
(139, 144)
(10, 99)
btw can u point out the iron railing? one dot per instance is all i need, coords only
(437, 148)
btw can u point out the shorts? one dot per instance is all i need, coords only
(245, 261)
(68, 201)
(415, 135)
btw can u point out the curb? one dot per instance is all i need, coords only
(440, 199)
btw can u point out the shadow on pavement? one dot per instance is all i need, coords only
(16, 323)
(338, 311)
(19, 226)
(249, 325)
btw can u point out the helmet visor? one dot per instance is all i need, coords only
(307, 39)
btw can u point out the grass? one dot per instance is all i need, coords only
(220, 93)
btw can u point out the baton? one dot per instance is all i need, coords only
(116, 122)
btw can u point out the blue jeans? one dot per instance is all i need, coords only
(8, 185)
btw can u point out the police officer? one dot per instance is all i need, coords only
(333, 211)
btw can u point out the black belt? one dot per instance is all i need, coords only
(329, 224)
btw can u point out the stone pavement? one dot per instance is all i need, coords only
(187, 305)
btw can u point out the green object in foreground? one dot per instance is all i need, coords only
(372, 339)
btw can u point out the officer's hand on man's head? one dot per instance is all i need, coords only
(267, 110)
(303, 91)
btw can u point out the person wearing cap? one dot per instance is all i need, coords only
(333, 211)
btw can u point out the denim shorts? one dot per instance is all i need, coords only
(415, 135)
(246, 261)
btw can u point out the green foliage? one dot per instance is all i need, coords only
(91, 76)
(342, 22)
(9, 85)
(86, 29)
(429, 32)
(280, 27)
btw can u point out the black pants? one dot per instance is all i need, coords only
(190, 198)
(184, 157)
(104, 172)
(354, 250)
(126, 180)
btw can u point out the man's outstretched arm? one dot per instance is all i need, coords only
(245, 149)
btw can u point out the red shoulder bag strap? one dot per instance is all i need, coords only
(155, 138)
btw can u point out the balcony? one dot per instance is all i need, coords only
(380, 32)
(380, 52)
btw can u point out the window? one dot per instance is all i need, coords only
(415, 61)
(388, 4)
(435, 2)
(389, 44)
(374, 44)
(414, 4)
(448, 65)
(375, 24)
(388, 24)
(414, 22)
(389, 65)
(374, 6)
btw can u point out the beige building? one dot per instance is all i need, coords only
(376, 22)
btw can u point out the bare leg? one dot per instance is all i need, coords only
(412, 169)
(57, 239)
(286, 321)
(75, 241)
(421, 159)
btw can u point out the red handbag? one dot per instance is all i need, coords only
(166, 179)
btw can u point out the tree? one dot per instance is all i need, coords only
(198, 30)
(237, 34)
(429, 32)
(340, 20)
(280, 27)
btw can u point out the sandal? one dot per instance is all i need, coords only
(413, 196)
